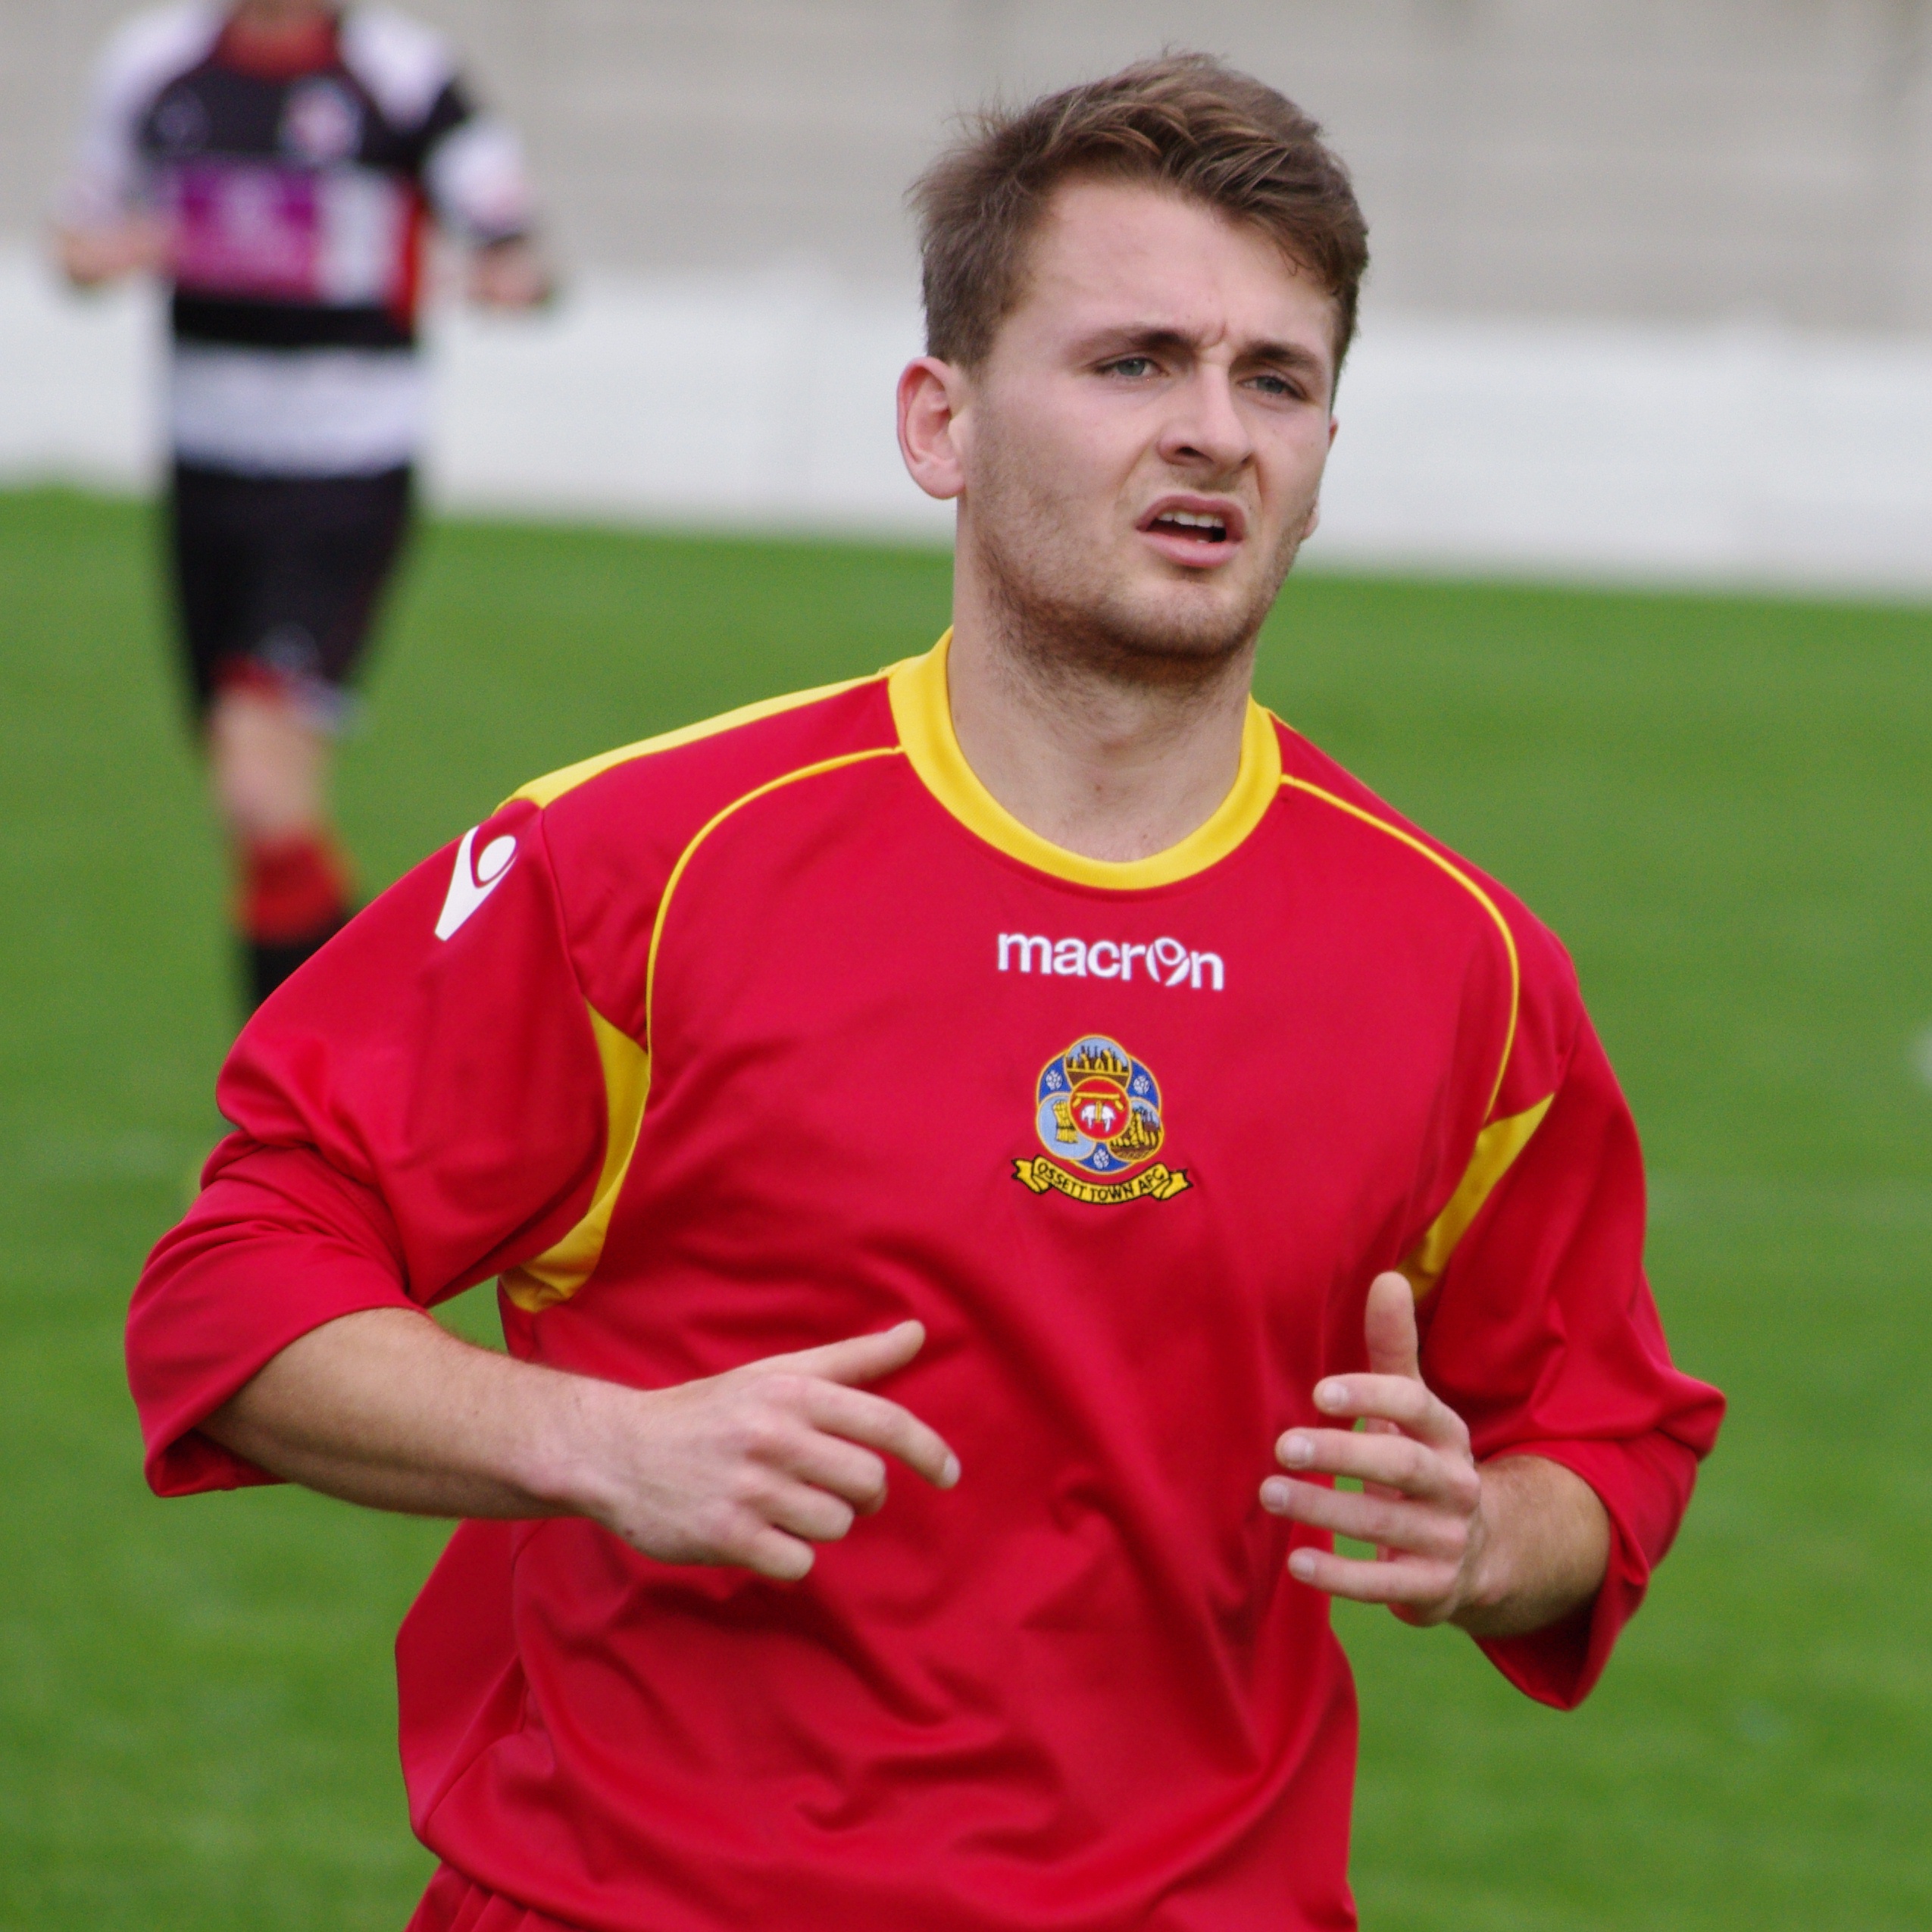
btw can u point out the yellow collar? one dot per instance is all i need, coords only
(922, 710)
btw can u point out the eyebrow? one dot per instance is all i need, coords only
(1106, 344)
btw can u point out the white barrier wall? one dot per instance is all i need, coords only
(1734, 454)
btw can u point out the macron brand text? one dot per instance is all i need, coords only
(1165, 961)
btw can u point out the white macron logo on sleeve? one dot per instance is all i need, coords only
(473, 880)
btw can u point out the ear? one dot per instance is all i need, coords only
(1315, 509)
(931, 397)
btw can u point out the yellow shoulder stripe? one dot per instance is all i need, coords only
(1468, 885)
(562, 1269)
(1499, 1144)
(1497, 1147)
(557, 1273)
(545, 791)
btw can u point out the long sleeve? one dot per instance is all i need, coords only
(107, 179)
(1543, 1335)
(421, 1107)
(468, 159)
(477, 181)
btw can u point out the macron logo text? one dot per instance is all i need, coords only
(1165, 961)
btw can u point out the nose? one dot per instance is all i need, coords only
(1207, 429)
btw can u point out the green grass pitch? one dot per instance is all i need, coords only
(1723, 805)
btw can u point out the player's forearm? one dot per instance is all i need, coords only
(384, 1407)
(83, 261)
(1546, 1548)
(510, 273)
(89, 257)
(752, 1467)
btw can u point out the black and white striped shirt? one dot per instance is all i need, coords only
(296, 204)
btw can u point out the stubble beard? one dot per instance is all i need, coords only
(1065, 622)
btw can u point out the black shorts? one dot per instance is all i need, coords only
(278, 578)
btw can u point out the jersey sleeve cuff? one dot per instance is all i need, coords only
(1644, 1485)
(277, 1244)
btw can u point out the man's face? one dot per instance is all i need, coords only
(1142, 447)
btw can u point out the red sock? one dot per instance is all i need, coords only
(293, 888)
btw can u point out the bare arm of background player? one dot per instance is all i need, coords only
(752, 1467)
(89, 257)
(1500, 1548)
(510, 274)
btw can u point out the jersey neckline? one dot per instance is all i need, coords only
(922, 712)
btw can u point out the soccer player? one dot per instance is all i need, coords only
(1036, 1067)
(275, 162)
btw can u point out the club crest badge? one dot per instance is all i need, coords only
(1097, 1111)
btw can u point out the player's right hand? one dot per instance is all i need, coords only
(754, 1467)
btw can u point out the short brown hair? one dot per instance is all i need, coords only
(1186, 122)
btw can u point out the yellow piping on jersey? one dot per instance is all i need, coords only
(562, 1269)
(557, 1273)
(1497, 1147)
(922, 710)
(1470, 887)
(710, 826)
(546, 790)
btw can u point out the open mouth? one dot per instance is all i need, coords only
(1197, 527)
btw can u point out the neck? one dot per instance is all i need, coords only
(1099, 758)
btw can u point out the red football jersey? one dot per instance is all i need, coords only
(779, 1029)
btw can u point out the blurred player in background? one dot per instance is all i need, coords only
(280, 163)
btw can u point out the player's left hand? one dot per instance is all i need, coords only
(1422, 1499)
